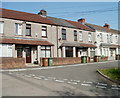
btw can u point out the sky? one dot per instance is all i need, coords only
(97, 13)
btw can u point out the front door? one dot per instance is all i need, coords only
(28, 54)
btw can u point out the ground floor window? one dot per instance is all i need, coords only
(92, 52)
(19, 52)
(5, 50)
(118, 50)
(69, 51)
(45, 51)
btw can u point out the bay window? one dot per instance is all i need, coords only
(45, 51)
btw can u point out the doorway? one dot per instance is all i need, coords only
(28, 54)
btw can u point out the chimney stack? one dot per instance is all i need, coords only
(82, 20)
(106, 26)
(42, 12)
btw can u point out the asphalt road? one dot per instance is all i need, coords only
(67, 80)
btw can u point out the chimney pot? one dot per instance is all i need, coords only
(42, 12)
(82, 20)
(106, 26)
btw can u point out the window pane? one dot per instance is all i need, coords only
(19, 52)
(80, 36)
(75, 38)
(28, 29)
(89, 36)
(18, 29)
(42, 47)
(1, 27)
(42, 53)
(47, 53)
(63, 37)
(69, 51)
(63, 34)
(47, 47)
(43, 33)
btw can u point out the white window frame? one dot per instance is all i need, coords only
(116, 37)
(111, 40)
(1, 27)
(18, 30)
(101, 37)
(44, 32)
(90, 37)
(80, 36)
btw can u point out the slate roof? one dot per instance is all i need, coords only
(61, 22)
(102, 29)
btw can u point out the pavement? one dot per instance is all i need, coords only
(67, 80)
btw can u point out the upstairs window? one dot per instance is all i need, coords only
(89, 37)
(116, 37)
(63, 34)
(75, 35)
(101, 37)
(18, 29)
(111, 40)
(28, 29)
(80, 36)
(107, 38)
(1, 26)
(44, 31)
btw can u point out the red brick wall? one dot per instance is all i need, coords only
(104, 58)
(66, 60)
(9, 62)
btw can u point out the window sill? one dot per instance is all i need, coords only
(44, 37)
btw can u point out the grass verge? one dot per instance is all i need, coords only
(113, 73)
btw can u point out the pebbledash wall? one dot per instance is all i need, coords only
(9, 53)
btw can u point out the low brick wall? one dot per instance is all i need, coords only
(66, 60)
(9, 62)
(104, 58)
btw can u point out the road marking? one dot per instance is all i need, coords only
(65, 79)
(37, 77)
(100, 86)
(41, 76)
(32, 75)
(46, 79)
(51, 77)
(115, 85)
(85, 84)
(115, 88)
(59, 81)
(72, 82)
(27, 76)
(75, 80)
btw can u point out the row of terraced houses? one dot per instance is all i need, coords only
(34, 36)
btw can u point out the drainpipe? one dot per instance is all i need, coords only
(57, 40)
